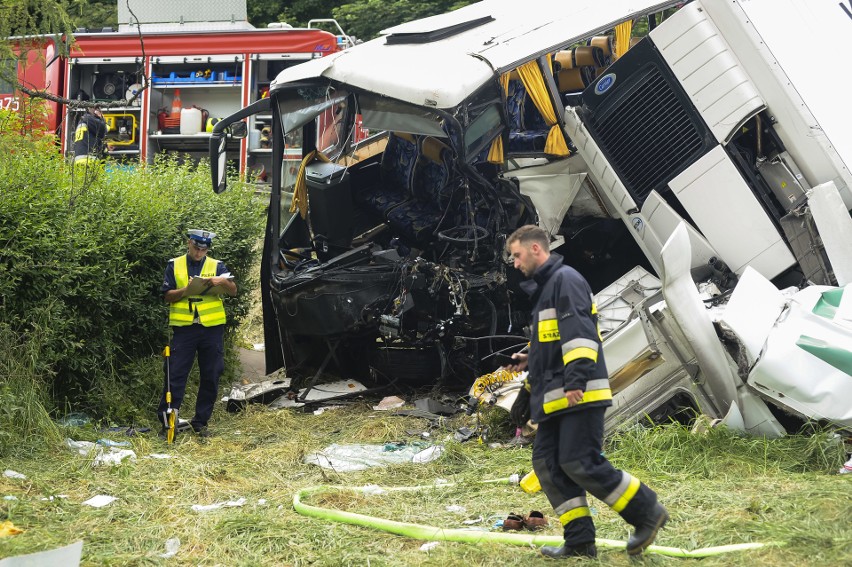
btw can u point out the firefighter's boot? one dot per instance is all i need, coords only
(566, 551)
(646, 531)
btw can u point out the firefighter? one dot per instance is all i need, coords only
(89, 136)
(569, 394)
(198, 328)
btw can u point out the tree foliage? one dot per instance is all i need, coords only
(366, 18)
(82, 256)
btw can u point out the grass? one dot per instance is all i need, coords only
(719, 488)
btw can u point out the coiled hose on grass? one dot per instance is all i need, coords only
(432, 533)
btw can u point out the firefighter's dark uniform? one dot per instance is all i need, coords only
(198, 326)
(566, 354)
(89, 138)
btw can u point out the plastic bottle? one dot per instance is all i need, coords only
(176, 104)
(530, 483)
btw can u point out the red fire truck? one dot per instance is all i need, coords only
(197, 72)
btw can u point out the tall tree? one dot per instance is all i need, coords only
(366, 18)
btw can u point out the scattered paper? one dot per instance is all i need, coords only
(374, 490)
(103, 455)
(456, 509)
(114, 456)
(217, 505)
(111, 443)
(389, 402)
(158, 456)
(10, 497)
(428, 455)
(348, 458)
(322, 410)
(473, 521)
(9, 473)
(429, 546)
(172, 546)
(68, 556)
(99, 501)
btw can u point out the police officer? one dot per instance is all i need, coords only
(569, 394)
(198, 327)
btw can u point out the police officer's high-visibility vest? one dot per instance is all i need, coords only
(210, 308)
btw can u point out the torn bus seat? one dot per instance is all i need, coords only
(527, 129)
(418, 218)
(397, 173)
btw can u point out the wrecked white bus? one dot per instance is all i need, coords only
(689, 175)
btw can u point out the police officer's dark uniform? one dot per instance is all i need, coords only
(198, 326)
(566, 354)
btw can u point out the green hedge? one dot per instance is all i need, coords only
(82, 260)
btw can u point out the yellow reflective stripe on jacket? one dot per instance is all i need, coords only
(548, 326)
(619, 498)
(210, 308)
(579, 348)
(596, 391)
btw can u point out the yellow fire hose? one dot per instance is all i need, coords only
(432, 533)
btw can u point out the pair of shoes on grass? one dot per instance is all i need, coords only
(535, 521)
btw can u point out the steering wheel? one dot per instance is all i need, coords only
(463, 234)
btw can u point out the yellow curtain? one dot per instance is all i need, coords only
(495, 154)
(622, 37)
(530, 74)
(300, 192)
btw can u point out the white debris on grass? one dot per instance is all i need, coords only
(428, 455)
(389, 402)
(114, 456)
(99, 501)
(172, 546)
(455, 508)
(355, 457)
(159, 456)
(322, 410)
(374, 490)
(846, 468)
(9, 473)
(103, 456)
(208, 507)
(429, 546)
(473, 521)
(10, 497)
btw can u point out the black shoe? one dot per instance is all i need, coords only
(202, 431)
(164, 431)
(646, 532)
(565, 551)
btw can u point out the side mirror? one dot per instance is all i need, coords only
(235, 127)
(238, 130)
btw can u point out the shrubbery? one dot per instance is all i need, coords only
(81, 264)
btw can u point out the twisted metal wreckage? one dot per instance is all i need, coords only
(697, 176)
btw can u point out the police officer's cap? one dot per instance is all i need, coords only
(201, 238)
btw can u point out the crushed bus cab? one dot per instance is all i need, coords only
(697, 176)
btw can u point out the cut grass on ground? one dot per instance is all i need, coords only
(720, 489)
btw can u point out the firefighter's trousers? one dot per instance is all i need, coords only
(568, 461)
